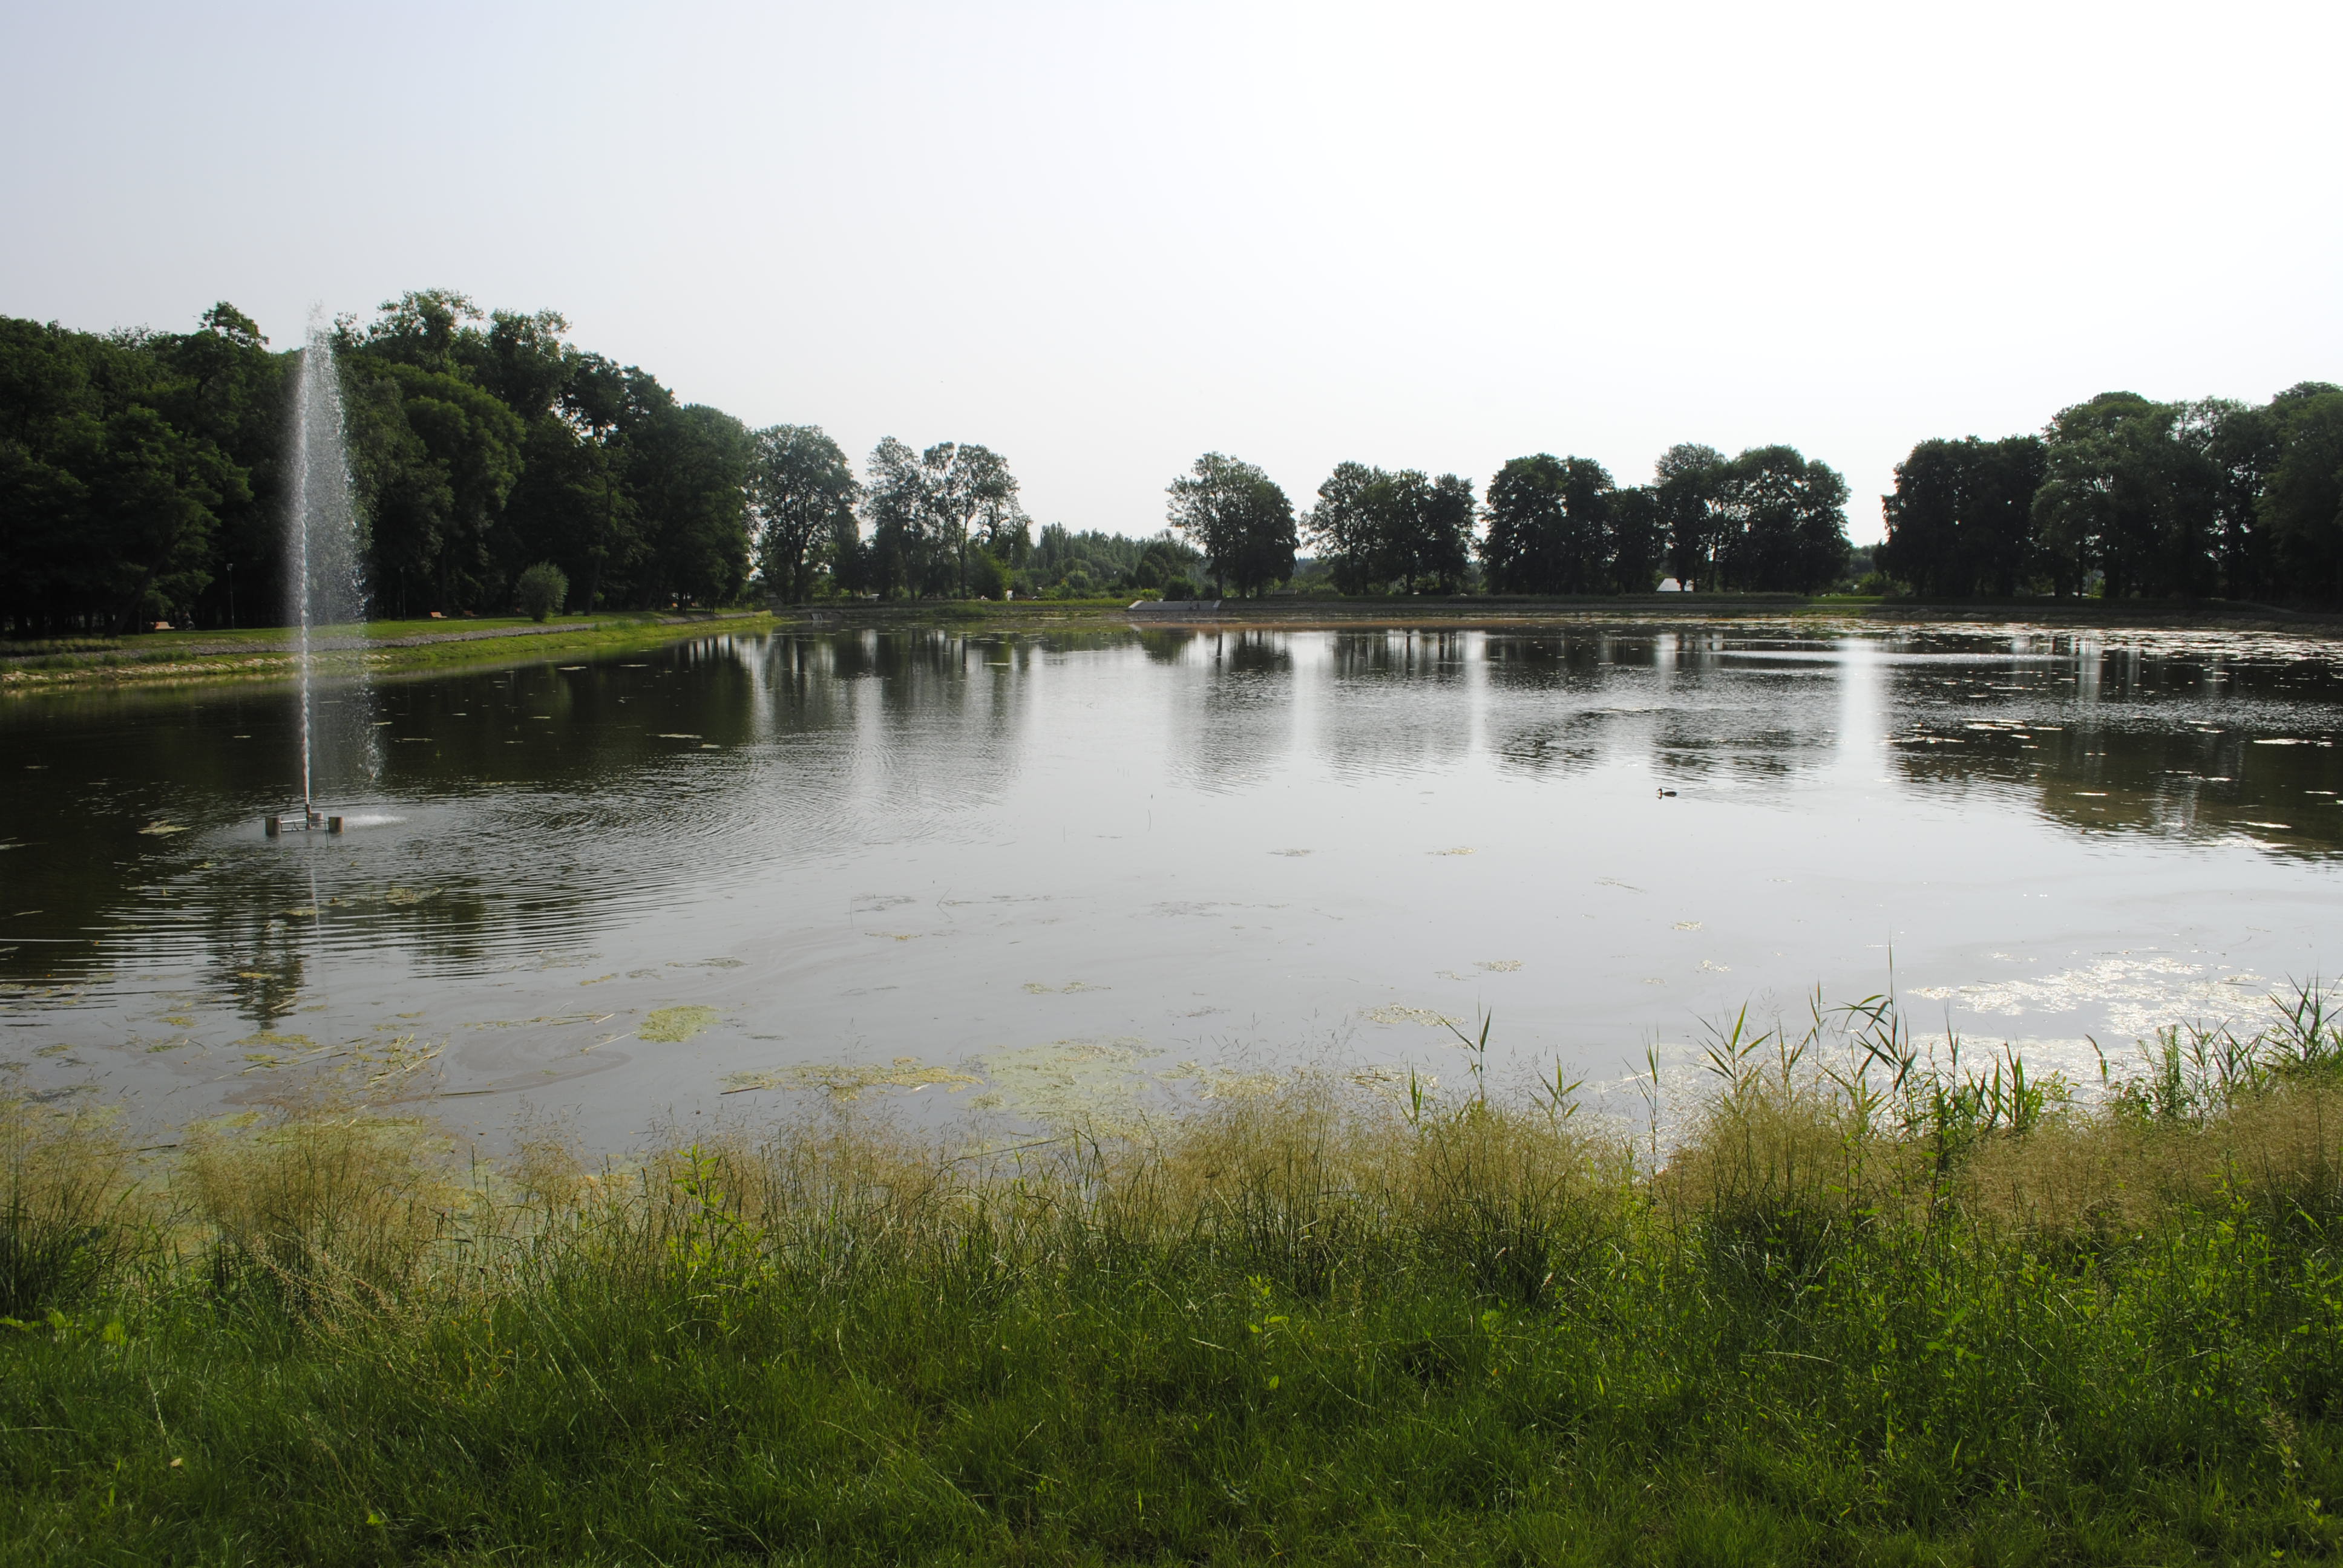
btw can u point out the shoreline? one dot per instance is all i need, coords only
(1865, 1307)
(169, 659)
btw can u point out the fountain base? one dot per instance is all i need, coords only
(307, 821)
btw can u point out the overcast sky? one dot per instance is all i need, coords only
(1103, 239)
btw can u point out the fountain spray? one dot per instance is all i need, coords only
(323, 582)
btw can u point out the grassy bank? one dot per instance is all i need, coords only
(1860, 1308)
(376, 647)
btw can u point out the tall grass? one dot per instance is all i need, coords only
(1871, 1301)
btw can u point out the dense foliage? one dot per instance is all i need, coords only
(1767, 522)
(141, 474)
(1238, 518)
(142, 480)
(2128, 496)
(1858, 1307)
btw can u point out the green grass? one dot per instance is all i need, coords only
(265, 653)
(1868, 1309)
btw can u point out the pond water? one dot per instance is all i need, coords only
(1028, 872)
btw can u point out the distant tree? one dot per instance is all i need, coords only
(1520, 549)
(473, 444)
(1348, 530)
(904, 548)
(2237, 447)
(605, 405)
(153, 495)
(523, 361)
(1376, 529)
(1432, 532)
(1639, 542)
(1241, 520)
(1556, 527)
(987, 577)
(1960, 522)
(227, 388)
(2122, 495)
(1783, 522)
(1687, 483)
(850, 569)
(1110, 559)
(801, 491)
(693, 466)
(423, 327)
(969, 492)
(2303, 505)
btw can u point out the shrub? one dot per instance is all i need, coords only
(542, 589)
(986, 577)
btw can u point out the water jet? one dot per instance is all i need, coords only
(324, 580)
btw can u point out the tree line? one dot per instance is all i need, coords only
(1769, 520)
(143, 474)
(142, 478)
(2130, 498)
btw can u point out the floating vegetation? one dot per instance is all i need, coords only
(706, 964)
(551, 1018)
(674, 1025)
(272, 1039)
(410, 896)
(846, 1081)
(1497, 966)
(1460, 849)
(1096, 1084)
(1687, 925)
(2136, 993)
(1394, 1012)
(1068, 989)
(1226, 1082)
(157, 830)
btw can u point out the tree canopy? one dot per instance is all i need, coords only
(1238, 518)
(142, 479)
(2124, 496)
(141, 474)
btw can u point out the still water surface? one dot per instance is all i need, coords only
(1030, 872)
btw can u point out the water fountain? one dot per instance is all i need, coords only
(324, 583)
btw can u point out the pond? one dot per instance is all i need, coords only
(1031, 873)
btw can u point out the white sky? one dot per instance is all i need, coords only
(1104, 237)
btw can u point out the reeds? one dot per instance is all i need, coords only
(1869, 1285)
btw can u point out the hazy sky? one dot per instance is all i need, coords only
(1103, 239)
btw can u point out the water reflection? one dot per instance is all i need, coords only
(931, 841)
(1232, 726)
(2114, 742)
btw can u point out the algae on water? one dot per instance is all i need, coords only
(674, 1025)
(846, 1083)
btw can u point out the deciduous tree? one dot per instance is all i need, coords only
(801, 491)
(1238, 518)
